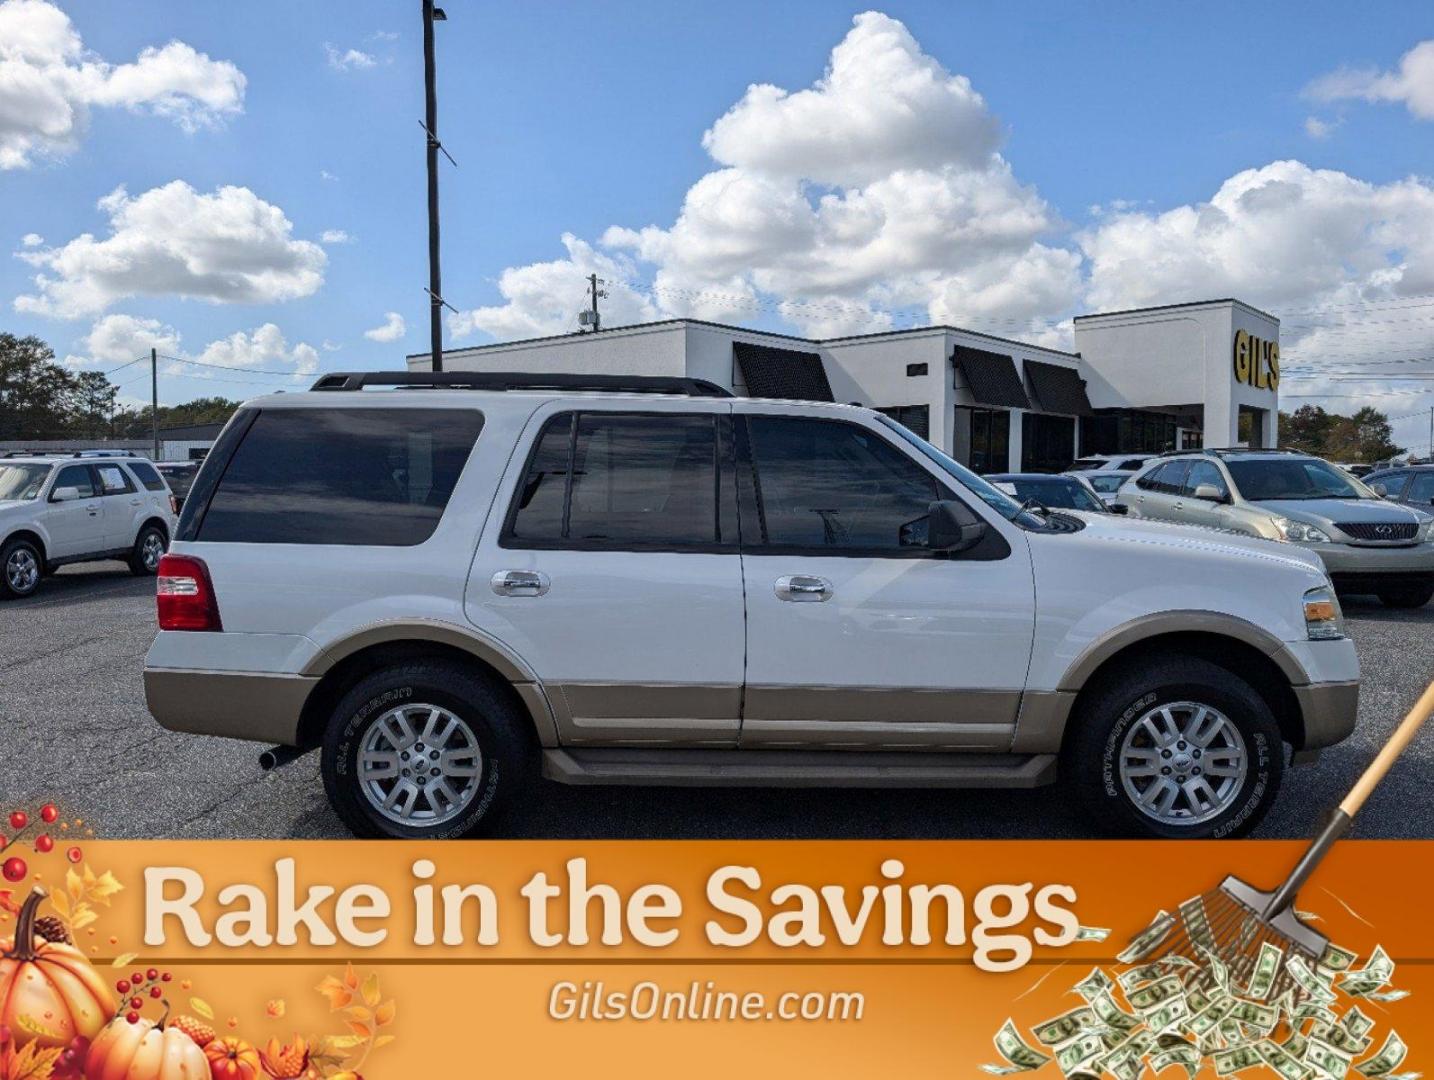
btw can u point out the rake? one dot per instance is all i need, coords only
(1233, 922)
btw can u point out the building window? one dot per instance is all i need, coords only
(981, 439)
(915, 369)
(1047, 442)
(915, 418)
(1127, 431)
(1250, 426)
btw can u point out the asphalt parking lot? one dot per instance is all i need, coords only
(73, 728)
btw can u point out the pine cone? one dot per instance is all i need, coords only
(52, 929)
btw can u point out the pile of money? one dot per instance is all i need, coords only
(1297, 1017)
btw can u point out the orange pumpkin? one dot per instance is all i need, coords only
(49, 993)
(144, 1051)
(232, 1058)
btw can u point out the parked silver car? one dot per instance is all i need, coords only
(1368, 545)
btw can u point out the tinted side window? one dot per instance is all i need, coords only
(146, 475)
(1205, 472)
(379, 477)
(114, 480)
(1421, 488)
(1170, 477)
(76, 476)
(625, 480)
(830, 484)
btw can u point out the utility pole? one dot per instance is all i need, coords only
(430, 124)
(591, 317)
(154, 398)
(1431, 434)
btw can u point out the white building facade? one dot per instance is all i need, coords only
(1139, 381)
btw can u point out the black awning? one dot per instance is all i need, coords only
(1058, 389)
(991, 377)
(782, 373)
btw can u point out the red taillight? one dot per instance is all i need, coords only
(185, 595)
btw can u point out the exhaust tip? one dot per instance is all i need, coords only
(277, 756)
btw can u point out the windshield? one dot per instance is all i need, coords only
(1107, 484)
(1058, 494)
(1269, 479)
(22, 481)
(1085, 463)
(992, 496)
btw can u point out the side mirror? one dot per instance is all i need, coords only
(1118, 508)
(953, 527)
(1209, 492)
(65, 494)
(1381, 491)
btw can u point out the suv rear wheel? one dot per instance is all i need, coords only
(1406, 596)
(149, 548)
(1176, 747)
(20, 569)
(426, 750)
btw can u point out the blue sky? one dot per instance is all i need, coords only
(575, 118)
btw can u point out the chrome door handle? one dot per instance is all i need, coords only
(136, 502)
(803, 588)
(520, 583)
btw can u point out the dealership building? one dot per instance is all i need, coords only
(1139, 381)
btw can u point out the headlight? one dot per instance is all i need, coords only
(1297, 532)
(1426, 531)
(1323, 619)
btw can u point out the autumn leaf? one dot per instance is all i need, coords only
(363, 1031)
(202, 1007)
(276, 1008)
(123, 959)
(7, 902)
(337, 993)
(33, 1063)
(61, 903)
(370, 990)
(351, 979)
(359, 1013)
(102, 888)
(74, 885)
(383, 1040)
(384, 1014)
(84, 915)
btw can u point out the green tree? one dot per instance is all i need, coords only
(1306, 429)
(36, 394)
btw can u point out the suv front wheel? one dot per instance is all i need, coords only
(1176, 747)
(20, 569)
(426, 750)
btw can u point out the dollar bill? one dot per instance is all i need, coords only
(1168, 1015)
(1094, 984)
(1208, 1019)
(1071, 1057)
(1197, 923)
(1151, 996)
(1020, 1056)
(1336, 959)
(1391, 1055)
(1112, 1015)
(1219, 973)
(1329, 1060)
(1259, 1016)
(1267, 966)
(1144, 973)
(1374, 975)
(1387, 995)
(1149, 939)
(1296, 1044)
(1236, 1059)
(1355, 1022)
(1308, 981)
(1063, 1028)
(1186, 1056)
(1092, 933)
(1282, 1061)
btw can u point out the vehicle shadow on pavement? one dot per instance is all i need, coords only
(78, 584)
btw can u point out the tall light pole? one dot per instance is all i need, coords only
(430, 125)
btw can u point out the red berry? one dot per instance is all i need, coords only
(49, 813)
(137, 978)
(122, 986)
(165, 977)
(136, 1003)
(155, 991)
(19, 819)
(152, 974)
(132, 1017)
(14, 869)
(43, 843)
(74, 854)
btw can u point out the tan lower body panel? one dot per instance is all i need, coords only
(629, 714)
(238, 705)
(878, 718)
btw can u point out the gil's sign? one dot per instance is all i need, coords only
(1257, 361)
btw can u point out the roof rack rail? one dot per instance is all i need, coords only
(522, 380)
(1235, 450)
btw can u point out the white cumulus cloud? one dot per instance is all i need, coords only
(880, 186)
(1411, 84)
(335, 236)
(262, 348)
(392, 329)
(228, 246)
(348, 59)
(49, 81)
(118, 339)
(31, 239)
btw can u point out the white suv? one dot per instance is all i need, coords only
(79, 508)
(450, 586)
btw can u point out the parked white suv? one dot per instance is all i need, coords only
(449, 586)
(79, 508)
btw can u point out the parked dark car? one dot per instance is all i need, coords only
(180, 477)
(1057, 492)
(1412, 484)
